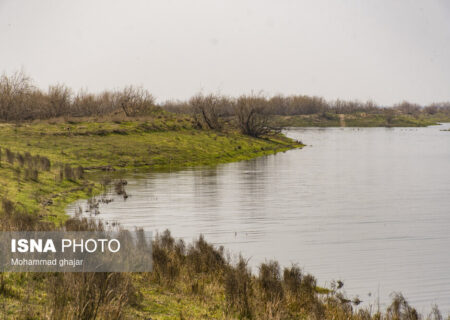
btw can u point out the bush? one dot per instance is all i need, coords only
(135, 101)
(207, 110)
(202, 257)
(20, 100)
(400, 309)
(238, 289)
(270, 281)
(15, 97)
(252, 117)
(292, 280)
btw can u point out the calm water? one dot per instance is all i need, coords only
(368, 206)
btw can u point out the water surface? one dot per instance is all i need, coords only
(368, 206)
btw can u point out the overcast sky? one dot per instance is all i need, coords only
(352, 49)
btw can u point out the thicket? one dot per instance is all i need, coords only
(309, 105)
(252, 113)
(272, 293)
(21, 100)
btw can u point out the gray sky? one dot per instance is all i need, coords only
(352, 49)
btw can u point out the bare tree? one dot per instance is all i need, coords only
(408, 108)
(207, 110)
(59, 101)
(84, 104)
(252, 115)
(135, 101)
(15, 93)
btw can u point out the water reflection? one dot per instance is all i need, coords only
(368, 206)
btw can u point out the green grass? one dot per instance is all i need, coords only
(128, 145)
(152, 144)
(358, 120)
(163, 304)
(145, 144)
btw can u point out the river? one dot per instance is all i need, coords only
(368, 206)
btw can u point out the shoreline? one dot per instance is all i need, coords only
(161, 296)
(357, 120)
(103, 148)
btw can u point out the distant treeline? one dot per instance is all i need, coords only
(308, 105)
(252, 114)
(20, 100)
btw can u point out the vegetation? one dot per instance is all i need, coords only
(196, 281)
(44, 165)
(53, 146)
(252, 116)
(358, 120)
(21, 100)
(305, 111)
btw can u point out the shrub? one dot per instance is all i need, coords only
(292, 280)
(202, 257)
(238, 289)
(59, 101)
(166, 263)
(252, 117)
(15, 93)
(135, 101)
(400, 309)
(207, 110)
(270, 281)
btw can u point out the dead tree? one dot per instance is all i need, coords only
(206, 110)
(251, 115)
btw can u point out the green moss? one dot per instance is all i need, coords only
(128, 145)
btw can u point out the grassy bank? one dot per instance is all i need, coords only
(46, 165)
(152, 144)
(358, 120)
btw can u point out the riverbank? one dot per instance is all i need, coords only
(90, 146)
(358, 120)
(46, 165)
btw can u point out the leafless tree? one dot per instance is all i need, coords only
(15, 93)
(84, 104)
(252, 115)
(59, 101)
(135, 101)
(408, 108)
(207, 110)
